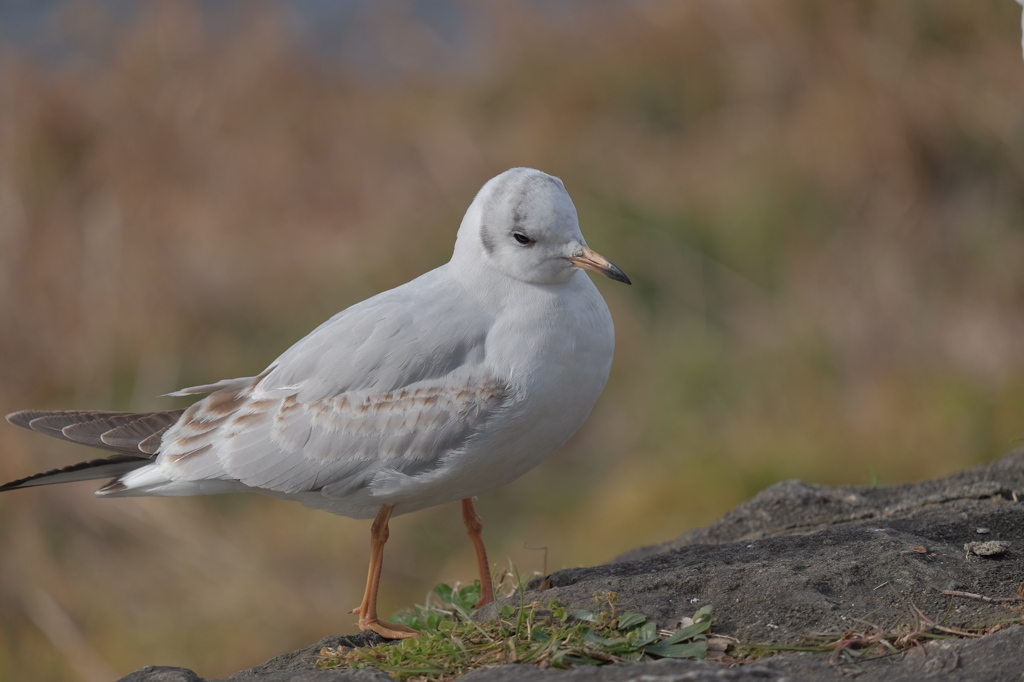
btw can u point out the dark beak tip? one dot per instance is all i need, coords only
(618, 275)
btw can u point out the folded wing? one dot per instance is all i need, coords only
(276, 441)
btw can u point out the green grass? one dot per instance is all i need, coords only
(545, 635)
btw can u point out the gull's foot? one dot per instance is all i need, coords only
(388, 630)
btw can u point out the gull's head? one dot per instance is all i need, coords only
(523, 224)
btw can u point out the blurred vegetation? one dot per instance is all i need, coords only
(820, 205)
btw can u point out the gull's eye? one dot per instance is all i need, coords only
(522, 238)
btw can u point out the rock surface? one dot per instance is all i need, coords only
(795, 562)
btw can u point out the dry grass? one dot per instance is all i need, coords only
(820, 208)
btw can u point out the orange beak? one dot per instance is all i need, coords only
(592, 260)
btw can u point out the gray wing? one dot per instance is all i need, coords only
(408, 334)
(378, 388)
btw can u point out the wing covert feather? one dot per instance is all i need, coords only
(286, 445)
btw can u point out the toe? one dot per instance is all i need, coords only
(388, 630)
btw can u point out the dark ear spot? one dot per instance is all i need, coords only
(487, 238)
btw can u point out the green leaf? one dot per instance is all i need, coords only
(647, 633)
(443, 592)
(591, 636)
(703, 612)
(698, 649)
(690, 631)
(467, 597)
(585, 616)
(629, 620)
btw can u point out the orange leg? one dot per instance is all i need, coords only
(368, 609)
(473, 527)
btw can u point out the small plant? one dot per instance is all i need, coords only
(867, 641)
(451, 644)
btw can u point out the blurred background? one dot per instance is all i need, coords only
(821, 206)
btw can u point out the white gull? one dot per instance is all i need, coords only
(443, 388)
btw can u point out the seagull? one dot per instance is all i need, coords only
(438, 390)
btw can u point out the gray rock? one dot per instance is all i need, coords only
(161, 673)
(798, 563)
(799, 559)
(305, 659)
(658, 671)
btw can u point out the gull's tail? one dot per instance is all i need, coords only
(135, 437)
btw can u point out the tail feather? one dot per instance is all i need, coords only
(114, 431)
(142, 433)
(111, 467)
(135, 437)
(50, 422)
(91, 432)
